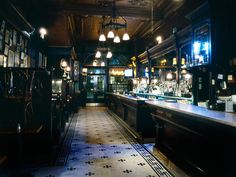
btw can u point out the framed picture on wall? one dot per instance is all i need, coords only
(1, 60)
(1, 44)
(11, 58)
(14, 37)
(40, 60)
(21, 41)
(6, 49)
(26, 46)
(3, 24)
(7, 33)
(10, 37)
(17, 59)
(4, 61)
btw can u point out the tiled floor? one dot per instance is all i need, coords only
(96, 145)
(175, 170)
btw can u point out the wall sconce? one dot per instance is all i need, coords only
(64, 66)
(182, 61)
(152, 69)
(174, 61)
(42, 32)
(159, 39)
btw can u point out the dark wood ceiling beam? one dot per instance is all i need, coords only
(107, 11)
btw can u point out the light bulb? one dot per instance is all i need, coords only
(174, 61)
(94, 63)
(103, 63)
(110, 35)
(42, 32)
(109, 54)
(116, 39)
(63, 64)
(102, 37)
(68, 69)
(159, 39)
(169, 76)
(98, 54)
(125, 37)
(187, 76)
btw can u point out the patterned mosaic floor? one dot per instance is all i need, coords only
(98, 146)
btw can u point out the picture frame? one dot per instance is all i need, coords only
(40, 60)
(4, 61)
(10, 37)
(3, 25)
(7, 33)
(17, 59)
(26, 46)
(1, 60)
(1, 44)
(21, 41)
(28, 60)
(11, 58)
(14, 42)
(6, 49)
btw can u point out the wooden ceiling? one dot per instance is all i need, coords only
(72, 21)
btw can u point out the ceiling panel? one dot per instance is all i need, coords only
(144, 17)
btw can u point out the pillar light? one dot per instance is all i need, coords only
(116, 39)
(110, 34)
(125, 37)
(102, 37)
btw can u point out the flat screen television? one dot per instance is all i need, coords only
(128, 72)
(201, 46)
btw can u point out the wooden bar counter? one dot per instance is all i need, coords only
(202, 141)
(134, 112)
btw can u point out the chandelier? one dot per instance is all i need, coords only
(113, 24)
(101, 50)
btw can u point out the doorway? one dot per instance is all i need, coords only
(96, 88)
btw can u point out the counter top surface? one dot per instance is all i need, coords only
(200, 112)
(164, 96)
(129, 97)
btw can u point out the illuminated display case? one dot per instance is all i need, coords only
(201, 46)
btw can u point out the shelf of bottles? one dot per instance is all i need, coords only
(118, 80)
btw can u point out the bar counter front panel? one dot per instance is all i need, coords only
(134, 112)
(201, 140)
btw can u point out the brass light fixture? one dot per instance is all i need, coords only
(113, 24)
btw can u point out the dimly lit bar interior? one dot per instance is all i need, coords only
(116, 88)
